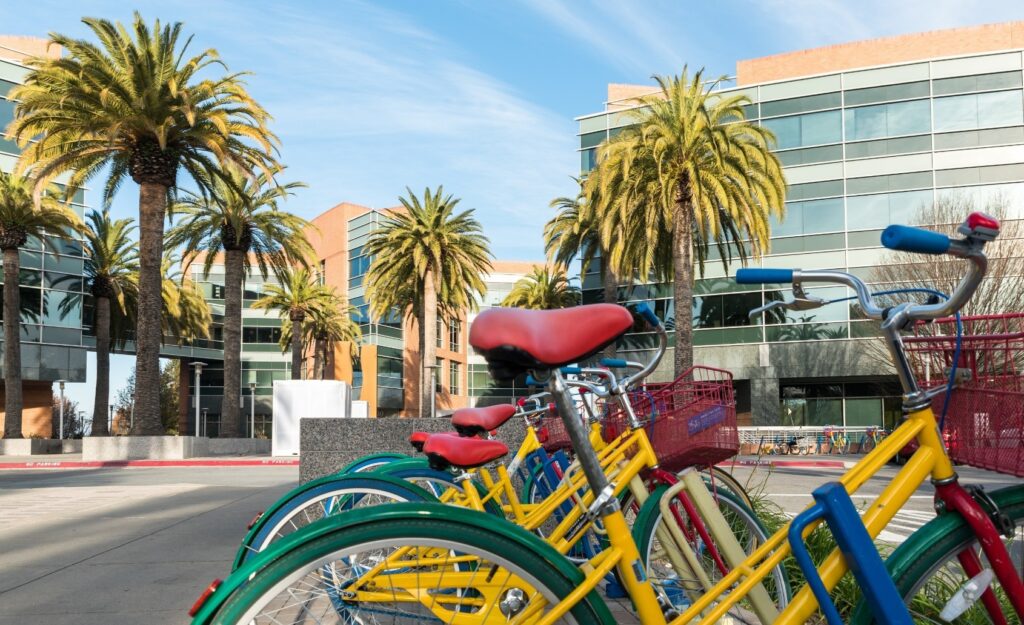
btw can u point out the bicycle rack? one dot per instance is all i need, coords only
(834, 505)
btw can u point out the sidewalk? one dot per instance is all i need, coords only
(74, 461)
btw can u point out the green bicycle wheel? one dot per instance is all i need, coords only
(927, 572)
(430, 563)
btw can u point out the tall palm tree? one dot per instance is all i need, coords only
(20, 218)
(689, 173)
(298, 296)
(111, 275)
(543, 289)
(427, 259)
(137, 106)
(242, 220)
(329, 323)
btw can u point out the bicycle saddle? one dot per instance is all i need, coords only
(476, 421)
(444, 450)
(514, 340)
(418, 439)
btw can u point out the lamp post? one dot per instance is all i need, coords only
(252, 409)
(60, 431)
(110, 420)
(199, 370)
(433, 388)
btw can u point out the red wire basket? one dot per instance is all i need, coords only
(690, 421)
(985, 417)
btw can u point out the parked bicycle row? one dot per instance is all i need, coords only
(615, 493)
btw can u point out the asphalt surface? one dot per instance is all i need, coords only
(119, 546)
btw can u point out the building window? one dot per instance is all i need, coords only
(321, 274)
(453, 377)
(440, 333)
(982, 110)
(888, 120)
(806, 130)
(454, 330)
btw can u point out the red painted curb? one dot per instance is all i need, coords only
(96, 464)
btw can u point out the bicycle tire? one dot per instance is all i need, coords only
(914, 563)
(736, 514)
(371, 462)
(418, 471)
(866, 445)
(720, 477)
(545, 573)
(306, 504)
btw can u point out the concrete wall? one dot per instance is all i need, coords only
(326, 445)
(117, 448)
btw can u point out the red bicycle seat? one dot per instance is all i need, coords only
(418, 439)
(465, 453)
(515, 340)
(476, 421)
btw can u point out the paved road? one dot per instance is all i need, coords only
(125, 546)
(122, 546)
(790, 488)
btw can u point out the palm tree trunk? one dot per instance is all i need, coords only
(610, 282)
(297, 319)
(152, 206)
(318, 373)
(682, 267)
(428, 342)
(12, 346)
(234, 268)
(102, 397)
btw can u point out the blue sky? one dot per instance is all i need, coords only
(478, 96)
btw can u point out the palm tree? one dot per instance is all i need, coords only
(186, 314)
(111, 275)
(20, 218)
(137, 106)
(329, 323)
(543, 289)
(690, 173)
(427, 259)
(242, 220)
(298, 296)
(575, 232)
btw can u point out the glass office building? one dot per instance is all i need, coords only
(862, 147)
(53, 301)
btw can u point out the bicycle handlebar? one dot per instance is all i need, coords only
(978, 229)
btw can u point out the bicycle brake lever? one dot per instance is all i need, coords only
(802, 301)
(760, 310)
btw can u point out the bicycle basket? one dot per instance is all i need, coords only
(690, 421)
(985, 418)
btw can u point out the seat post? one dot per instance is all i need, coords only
(579, 436)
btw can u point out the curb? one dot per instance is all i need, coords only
(101, 464)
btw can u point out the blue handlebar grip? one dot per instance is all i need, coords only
(908, 239)
(531, 381)
(571, 370)
(648, 315)
(757, 275)
(614, 363)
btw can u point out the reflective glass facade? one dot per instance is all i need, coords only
(861, 149)
(55, 310)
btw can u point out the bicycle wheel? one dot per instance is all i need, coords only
(323, 498)
(667, 581)
(437, 483)
(927, 572)
(415, 563)
(372, 461)
(719, 479)
(867, 444)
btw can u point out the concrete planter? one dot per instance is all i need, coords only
(117, 448)
(29, 446)
(71, 446)
(328, 444)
